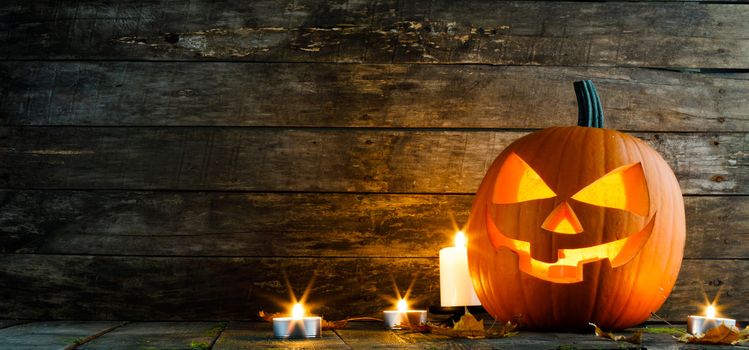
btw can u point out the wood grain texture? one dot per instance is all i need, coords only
(286, 224)
(519, 33)
(90, 287)
(86, 287)
(413, 161)
(357, 335)
(171, 160)
(371, 336)
(10, 323)
(259, 335)
(49, 335)
(157, 335)
(330, 95)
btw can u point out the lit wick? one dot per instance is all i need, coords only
(297, 326)
(403, 317)
(297, 311)
(460, 239)
(710, 312)
(456, 287)
(701, 324)
(402, 305)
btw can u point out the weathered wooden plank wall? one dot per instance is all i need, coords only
(171, 160)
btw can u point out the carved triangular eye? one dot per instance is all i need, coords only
(622, 188)
(518, 182)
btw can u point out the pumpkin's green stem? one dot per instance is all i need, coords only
(590, 112)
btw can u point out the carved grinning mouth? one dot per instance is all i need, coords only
(569, 265)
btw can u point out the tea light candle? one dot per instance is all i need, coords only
(702, 324)
(297, 326)
(394, 319)
(456, 288)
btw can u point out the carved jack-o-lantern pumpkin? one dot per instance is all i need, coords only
(574, 225)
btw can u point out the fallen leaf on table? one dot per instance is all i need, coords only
(268, 317)
(469, 324)
(333, 324)
(468, 327)
(635, 338)
(718, 335)
(743, 337)
(507, 330)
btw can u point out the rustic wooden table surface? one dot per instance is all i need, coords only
(259, 335)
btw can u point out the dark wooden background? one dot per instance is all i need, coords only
(170, 160)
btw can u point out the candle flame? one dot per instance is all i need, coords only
(297, 311)
(402, 305)
(460, 239)
(710, 311)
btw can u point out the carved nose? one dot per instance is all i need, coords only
(563, 220)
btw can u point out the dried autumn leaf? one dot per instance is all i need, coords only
(327, 325)
(722, 335)
(602, 334)
(508, 330)
(635, 338)
(469, 324)
(471, 328)
(743, 337)
(452, 333)
(717, 335)
(268, 317)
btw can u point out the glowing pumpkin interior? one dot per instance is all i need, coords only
(623, 188)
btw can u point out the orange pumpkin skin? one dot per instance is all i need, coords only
(568, 159)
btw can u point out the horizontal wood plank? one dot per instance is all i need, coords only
(10, 323)
(329, 95)
(68, 286)
(50, 334)
(56, 286)
(276, 224)
(369, 335)
(157, 335)
(268, 159)
(518, 33)
(259, 335)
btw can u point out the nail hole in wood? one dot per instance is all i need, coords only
(171, 38)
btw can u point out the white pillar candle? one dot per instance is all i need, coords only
(396, 319)
(701, 324)
(297, 326)
(456, 288)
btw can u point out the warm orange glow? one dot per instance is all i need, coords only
(622, 188)
(710, 311)
(460, 239)
(569, 265)
(562, 220)
(402, 305)
(517, 182)
(297, 311)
